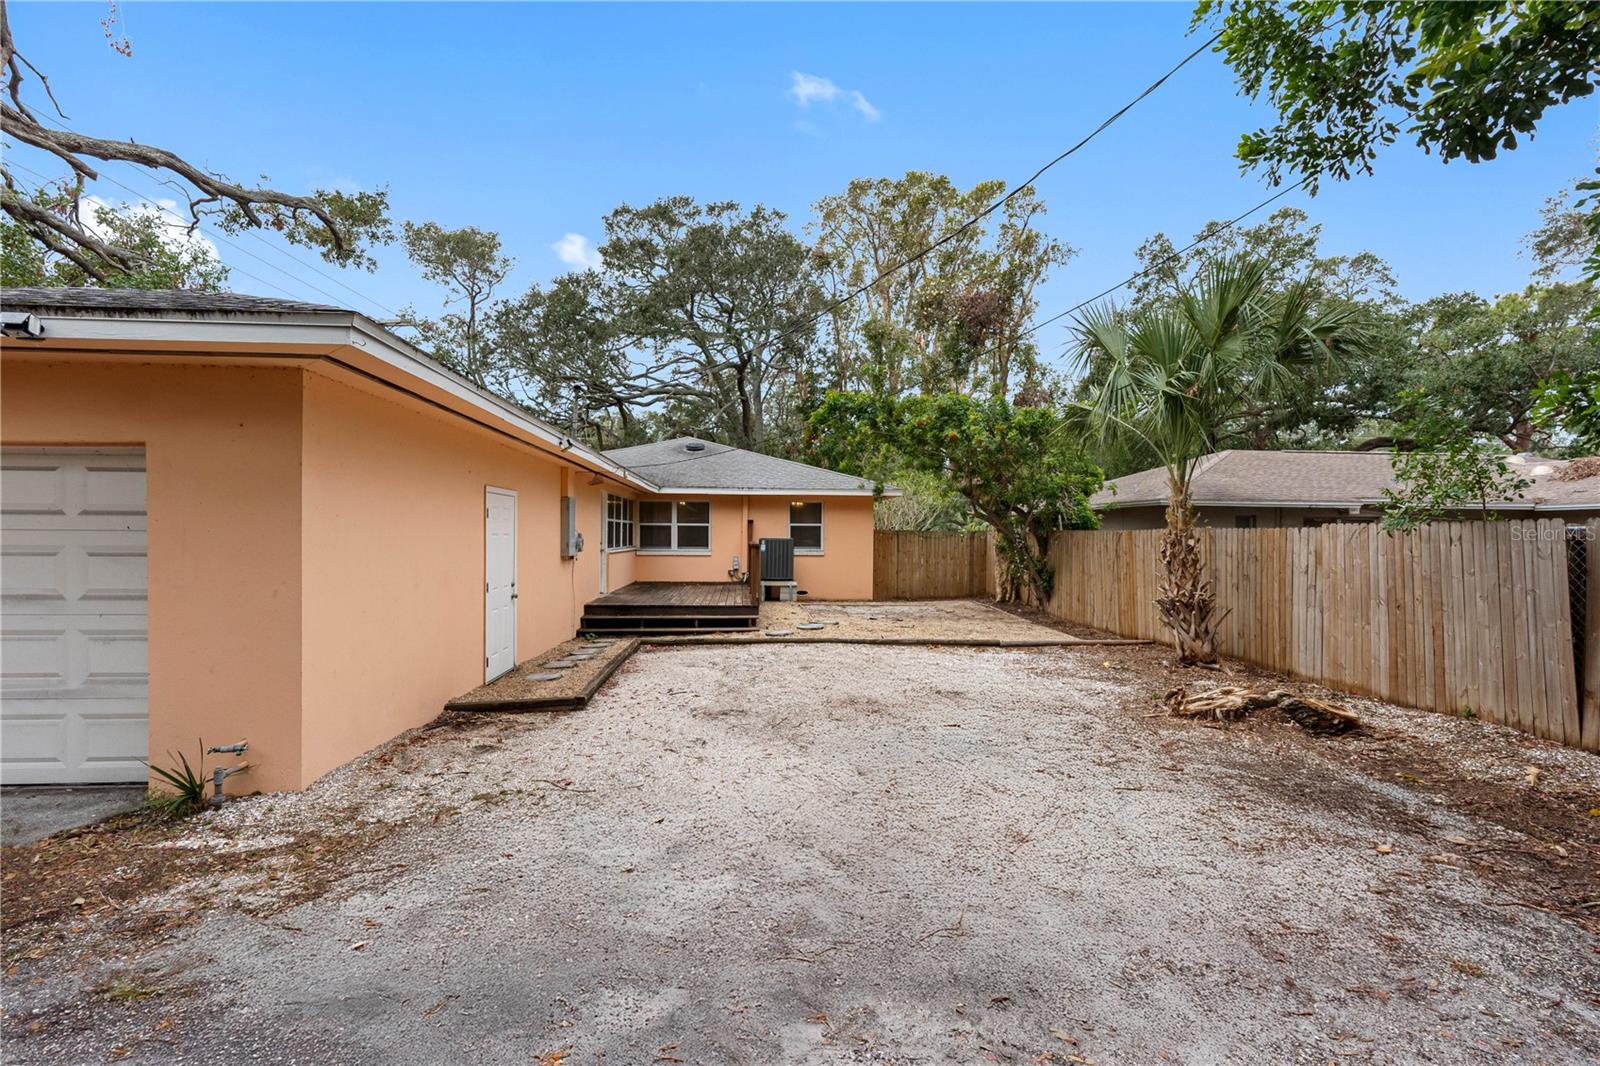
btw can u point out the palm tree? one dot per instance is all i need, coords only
(1182, 377)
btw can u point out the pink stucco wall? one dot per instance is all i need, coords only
(842, 572)
(222, 448)
(316, 546)
(394, 562)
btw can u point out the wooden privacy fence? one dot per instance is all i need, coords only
(931, 566)
(1458, 616)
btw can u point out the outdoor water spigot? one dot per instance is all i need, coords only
(222, 773)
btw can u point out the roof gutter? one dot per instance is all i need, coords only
(371, 337)
(322, 336)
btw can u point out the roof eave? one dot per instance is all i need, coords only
(690, 490)
(310, 334)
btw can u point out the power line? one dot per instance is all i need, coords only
(247, 233)
(1016, 190)
(233, 269)
(1204, 236)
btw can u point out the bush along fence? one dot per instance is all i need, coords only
(1473, 618)
(931, 566)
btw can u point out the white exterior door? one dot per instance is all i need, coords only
(499, 582)
(74, 618)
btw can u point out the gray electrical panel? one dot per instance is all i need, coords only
(571, 539)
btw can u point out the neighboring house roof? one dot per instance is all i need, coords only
(1243, 478)
(692, 464)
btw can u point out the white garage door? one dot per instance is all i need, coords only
(75, 690)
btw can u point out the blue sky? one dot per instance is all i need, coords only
(535, 120)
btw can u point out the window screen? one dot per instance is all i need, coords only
(805, 525)
(619, 523)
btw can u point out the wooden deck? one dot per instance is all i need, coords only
(677, 594)
(659, 607)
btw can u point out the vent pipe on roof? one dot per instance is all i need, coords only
(694, 446)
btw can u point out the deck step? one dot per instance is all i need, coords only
(662, 610)
(671, 631)
(654, 623)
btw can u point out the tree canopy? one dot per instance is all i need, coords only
(963, 310)
(1465, 80)
(1018, 468)
(340, 226)
(162, 253)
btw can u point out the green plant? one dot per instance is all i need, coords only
(1185, 374)
(1439, 482)
(1016, 467)
(127, 990)
(188, 793)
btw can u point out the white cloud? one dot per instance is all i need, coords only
(175, 227)
(575, 250)
(805, 89)
(808, 87)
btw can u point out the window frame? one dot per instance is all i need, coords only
(674, 524)
(625, 520)
(821, 525)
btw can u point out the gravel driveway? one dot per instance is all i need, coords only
(827, 855)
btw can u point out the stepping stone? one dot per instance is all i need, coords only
(582, 653)
(777, 632)
(562, 664)
(541, 677)
(809, 625)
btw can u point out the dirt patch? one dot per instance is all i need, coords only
(140, 875)
(1540, 801)
(585, 660)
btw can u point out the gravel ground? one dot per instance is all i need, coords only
(921, 620)
(843, 854)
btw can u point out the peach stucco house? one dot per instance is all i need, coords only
(235, 518)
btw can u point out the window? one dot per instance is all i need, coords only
(619, 523)
(667, 526)
(1244, 521)
(805, 526)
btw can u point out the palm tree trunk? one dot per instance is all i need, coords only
(1185, 598)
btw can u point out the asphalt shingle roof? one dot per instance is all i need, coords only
(672, 465)
(152, 301)
(1240, 477)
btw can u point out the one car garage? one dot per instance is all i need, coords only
(74, 642)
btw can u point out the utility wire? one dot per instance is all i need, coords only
(1016, 190)
(233, 269)
(247, 233)
(1201, 239)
